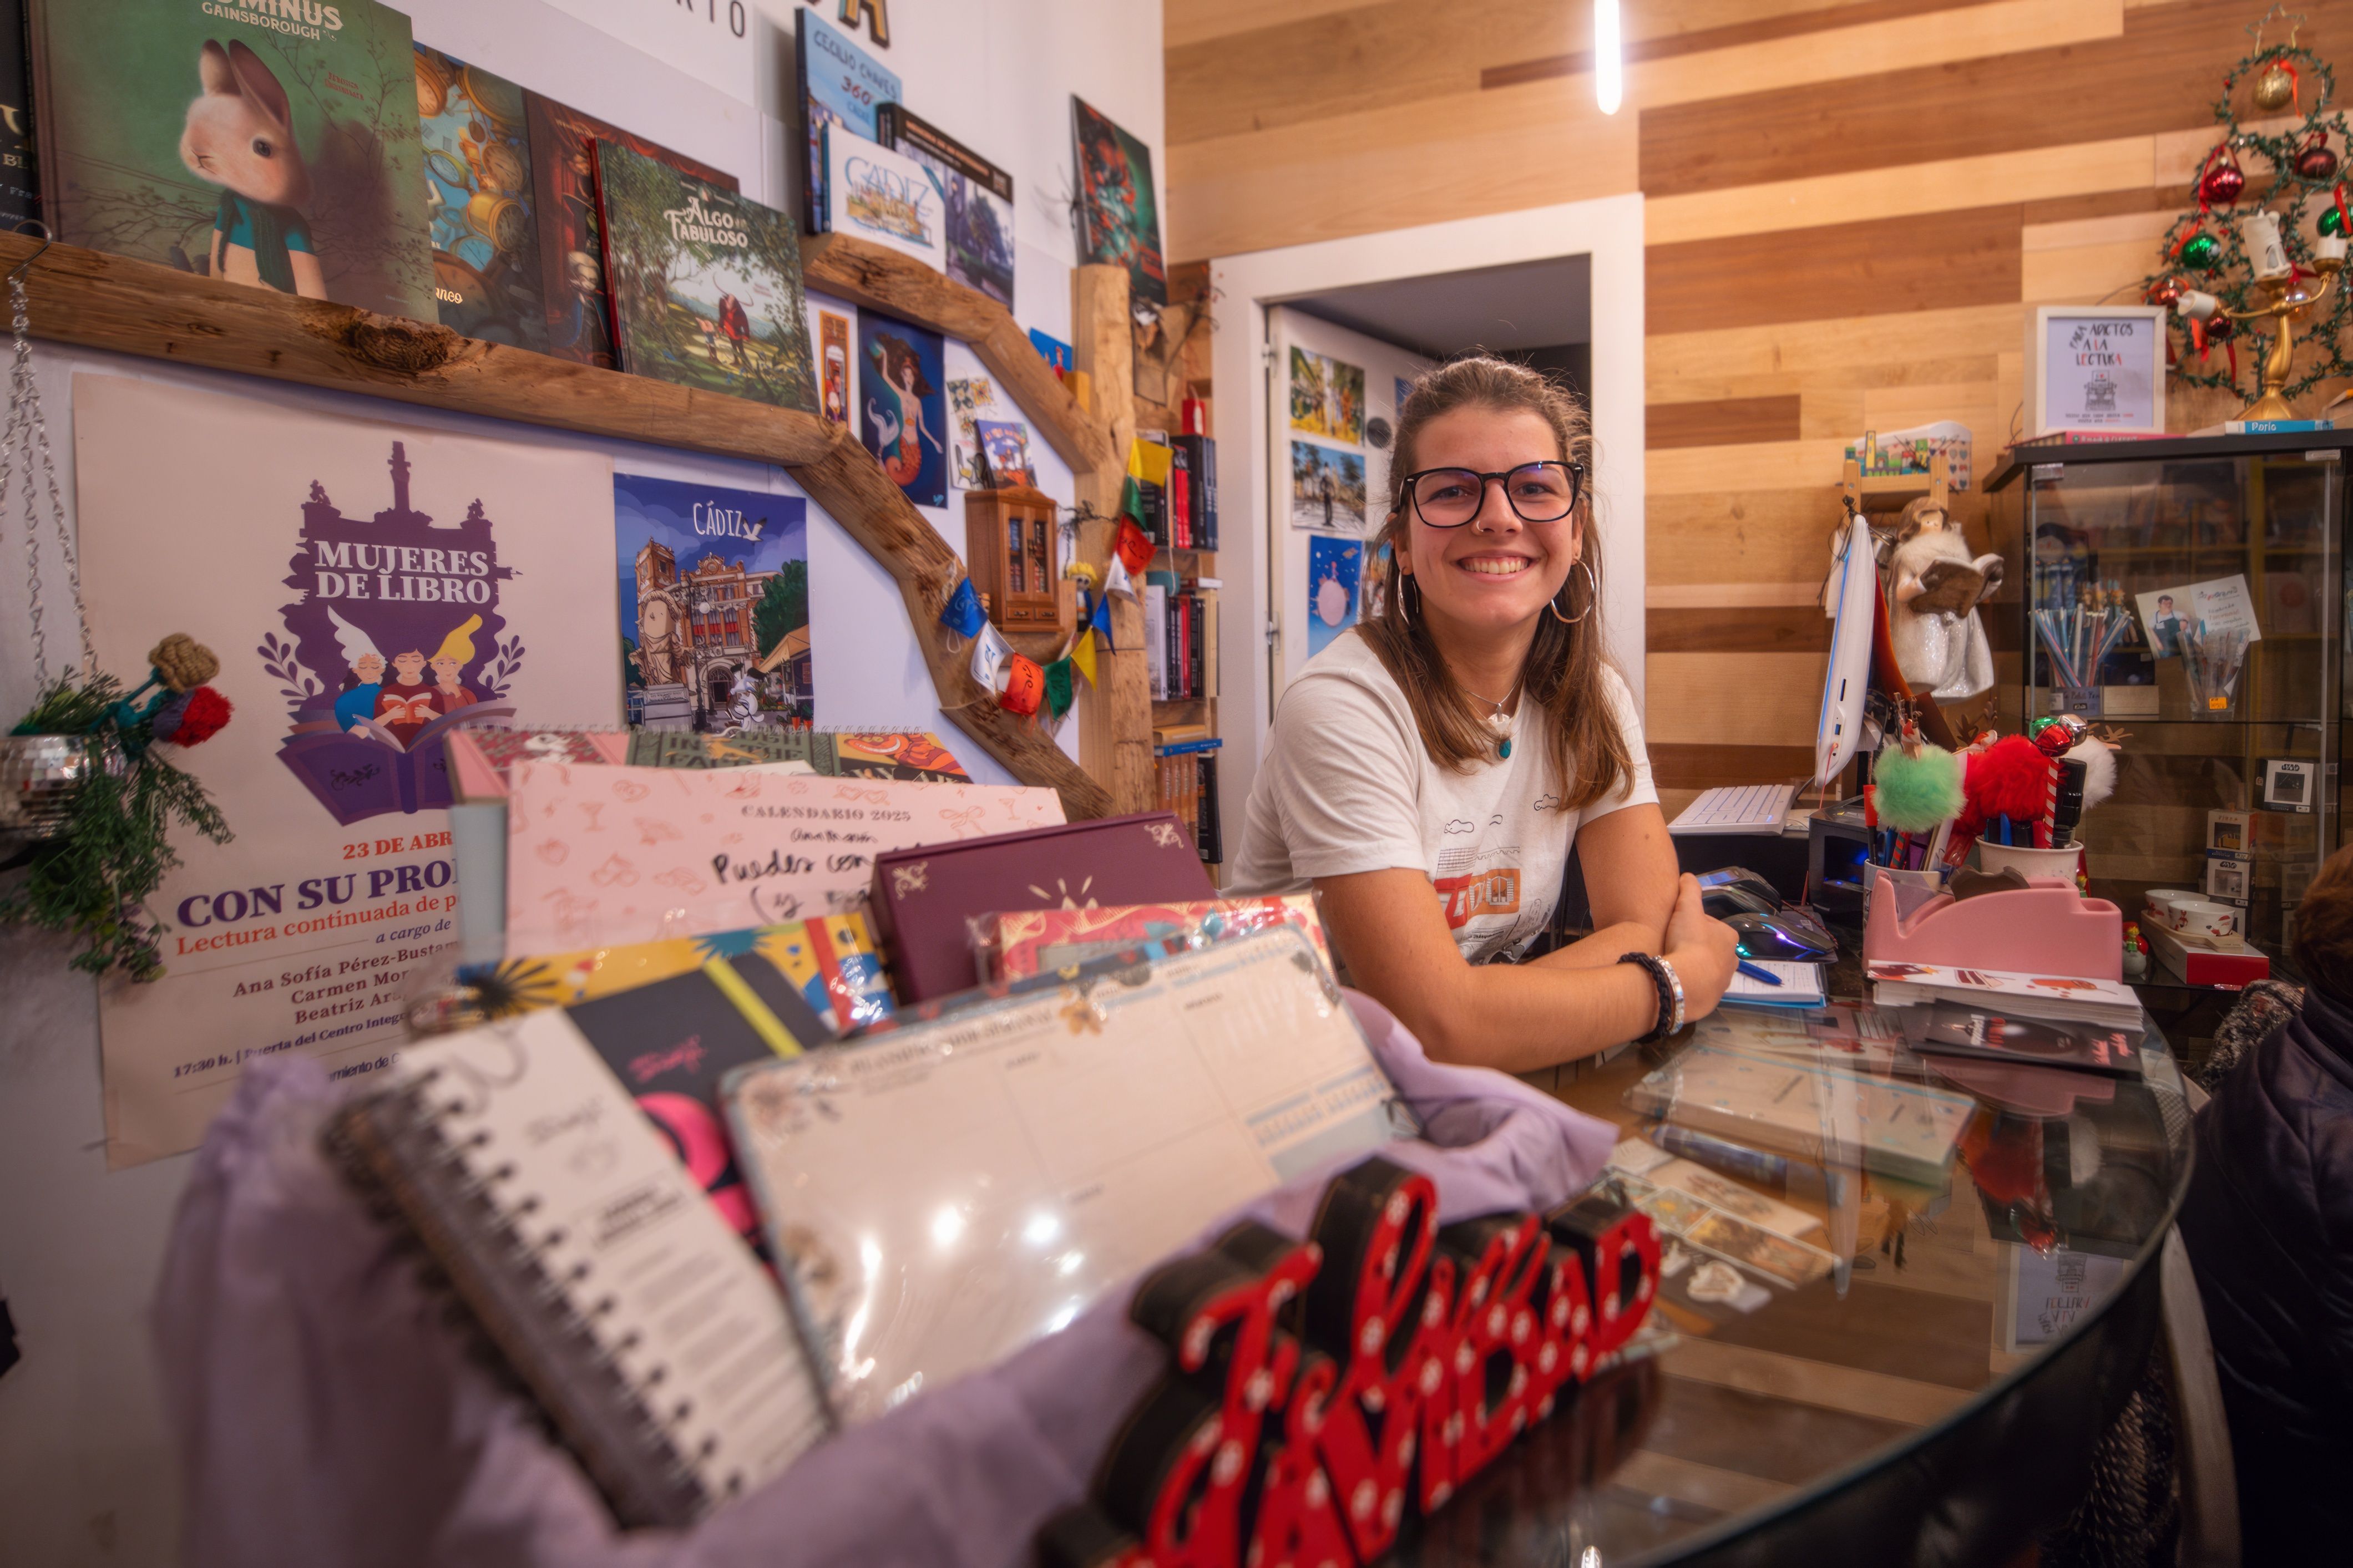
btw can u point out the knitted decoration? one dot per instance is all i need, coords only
(1916, 794)
(2013, 778)
(183, 663)
(190, 717)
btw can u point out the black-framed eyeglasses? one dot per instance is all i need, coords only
(1537, 493)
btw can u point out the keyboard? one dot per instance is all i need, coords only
(1736, 809)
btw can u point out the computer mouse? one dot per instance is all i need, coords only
(1778, 935)
(1734, 899)
(1742, 879)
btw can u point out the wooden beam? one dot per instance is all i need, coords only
(100, 301)
(879, 278)
(1116, 723)
(94, 300)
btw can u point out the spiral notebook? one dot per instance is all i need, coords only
(659, 1347)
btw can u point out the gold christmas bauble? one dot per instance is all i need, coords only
(2272, 88)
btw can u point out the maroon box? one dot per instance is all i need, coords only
(923, 896)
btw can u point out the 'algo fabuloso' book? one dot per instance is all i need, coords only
(706, 284)
(272, 142)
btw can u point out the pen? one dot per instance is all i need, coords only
(1757, 974)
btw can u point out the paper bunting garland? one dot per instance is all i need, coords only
(962, 614)
(1115, 581)
(1083, 653)
(989, 652)
(1057, 687)
(1025, 684)
(1132, 547)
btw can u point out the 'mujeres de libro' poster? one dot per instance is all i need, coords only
(366, 588)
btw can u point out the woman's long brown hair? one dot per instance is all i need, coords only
(1564, 672)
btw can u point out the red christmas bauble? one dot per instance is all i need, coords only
(2165, 291)
(2314, 160)
(2222, 330)
(2222, 184)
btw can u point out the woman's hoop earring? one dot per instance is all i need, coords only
(1592, 599)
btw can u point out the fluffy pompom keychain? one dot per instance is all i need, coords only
(1919, 788)
(2011, 778)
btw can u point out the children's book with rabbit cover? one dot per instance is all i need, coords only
(564, 203)
(706, 283)
(276, 146)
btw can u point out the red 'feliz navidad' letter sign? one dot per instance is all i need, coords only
(1323, 1389)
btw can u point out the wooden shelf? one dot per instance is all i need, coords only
(94, 300)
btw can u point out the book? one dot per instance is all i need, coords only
(2091, 438)
(360, 774)
(840, 85)
(564, 206)
(20, 180)
(976, 198)
(1156, 638)
(482, 758)
(922, 898)
(2265, 428)
(1986, 1034)
(832, 961)
(2111, 1002)
(1031, 942)
(1006, 443)
(654, 1341)
(313, 179)
(875, 193)
(1817, 1111)
(705, 284)
(1041, 1148)
(1057, 355)
(621, 854)
(1201, 467)
(487, 278)
(915, 754)
(1118, 209)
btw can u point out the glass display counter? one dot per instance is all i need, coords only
(2191, 595)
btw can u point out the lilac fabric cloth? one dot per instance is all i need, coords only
(328, 1415)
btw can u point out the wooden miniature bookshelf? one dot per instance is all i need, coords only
(91, 299)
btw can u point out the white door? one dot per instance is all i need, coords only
(1331, 410)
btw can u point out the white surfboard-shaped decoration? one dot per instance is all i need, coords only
(1841, 727)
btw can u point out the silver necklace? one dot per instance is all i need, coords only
(1498, 722)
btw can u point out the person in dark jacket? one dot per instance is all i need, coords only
(2269, 1225)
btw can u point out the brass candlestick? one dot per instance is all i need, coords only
(2289, 299)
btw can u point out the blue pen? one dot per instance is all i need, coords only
(1756, 973)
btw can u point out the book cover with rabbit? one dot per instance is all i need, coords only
(270, 142)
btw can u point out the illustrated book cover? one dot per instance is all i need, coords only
(1029, 941)
(487, 278)
(705, 284)
(1118, 212)
(564, 204)
(831, 961)
(714, 588)
(875, 194)
(1016, 1131)
(835, 753)
(977, 196)
(232, 141)
(1986, 1033)
(841, 85)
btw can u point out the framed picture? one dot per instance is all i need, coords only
(2095, 367)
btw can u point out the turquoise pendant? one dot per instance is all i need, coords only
(1506, 749)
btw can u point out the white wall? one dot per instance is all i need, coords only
(1246, 287)
(85, 1474)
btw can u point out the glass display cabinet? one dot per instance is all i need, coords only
(2189, 594)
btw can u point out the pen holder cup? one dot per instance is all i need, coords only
(2060, 863)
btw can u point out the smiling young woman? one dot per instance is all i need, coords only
(1427, 774)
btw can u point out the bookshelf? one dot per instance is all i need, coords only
(91, 299)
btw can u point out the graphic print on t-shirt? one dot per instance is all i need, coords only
(1482, 883)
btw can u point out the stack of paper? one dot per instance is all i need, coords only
(2108, 1002)
(1801, 986)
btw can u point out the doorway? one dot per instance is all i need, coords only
(1560, 288)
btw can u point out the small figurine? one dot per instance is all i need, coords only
(1935, 588)
(2136, 952)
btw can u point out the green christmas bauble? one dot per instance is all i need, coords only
(2330, 224)
(2202, 252)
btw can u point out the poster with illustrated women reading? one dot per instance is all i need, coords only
(902, 405)
(367, 588)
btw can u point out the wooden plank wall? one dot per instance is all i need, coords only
(1847, 206)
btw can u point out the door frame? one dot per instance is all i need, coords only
(1608, 228)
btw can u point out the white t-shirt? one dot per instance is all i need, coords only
(1346, 787)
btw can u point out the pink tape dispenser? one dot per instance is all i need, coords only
(2044, 928)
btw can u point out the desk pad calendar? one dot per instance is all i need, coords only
(601, 855)
(942, 1192)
